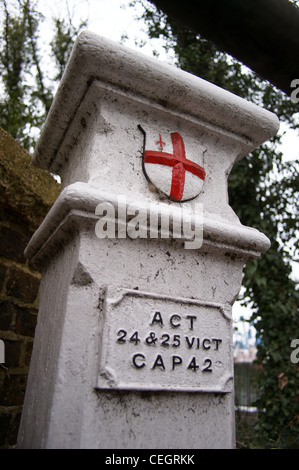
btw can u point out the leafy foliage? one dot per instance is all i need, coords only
(263, 190)
(27, 90)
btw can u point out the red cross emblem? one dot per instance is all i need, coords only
(183, 180)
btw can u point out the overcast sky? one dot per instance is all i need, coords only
(115, 19)
(110, 18)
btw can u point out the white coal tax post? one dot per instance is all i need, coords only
(133, 346)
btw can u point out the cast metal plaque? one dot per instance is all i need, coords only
(156, 342)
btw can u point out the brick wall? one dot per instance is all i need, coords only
(26, 195)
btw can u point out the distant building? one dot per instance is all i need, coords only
(244, 341)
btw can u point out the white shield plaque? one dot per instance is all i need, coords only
(170, 170)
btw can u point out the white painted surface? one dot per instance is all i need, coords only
(156, 342)
(92, 139)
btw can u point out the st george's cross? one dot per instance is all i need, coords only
(173, 174)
